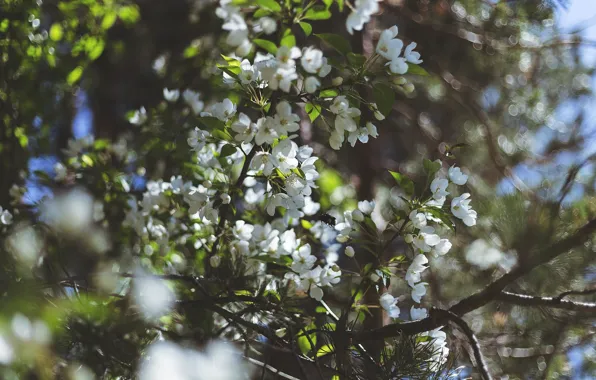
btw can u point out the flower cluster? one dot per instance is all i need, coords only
(390, 47)
(361, 13)
(345, 122)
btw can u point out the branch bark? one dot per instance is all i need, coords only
(478, 357)
(486, 295)
(554, 302)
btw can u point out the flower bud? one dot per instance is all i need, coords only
(342, 238)
(400, 81)
(357, 215)
(349, 251)
(409, 88)
(215, 261)
(409, 238)
(337, 81)
(374, 277)
(207, 183)
(225, 198)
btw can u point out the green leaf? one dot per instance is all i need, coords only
(313, 111)
(417, 70)
(397, 259)
(129, 14)
(261, 12)
(442, 215)
(212, 123)
(87, 160)
(222, 135)
(431, 167)
(306, 27)
(356, 60)
(336, 41)
(404, 182)
(231, 61)
(325, 350)
(56, 32)
(340, 5)
(330, 93)
(304, 341)
(271, 5)
(109, 19)
(288, 39)
(306, 224)
(384, 97)
(318, 12)
(74, 75)
(266, 45)
(228, 150)
(96, 51)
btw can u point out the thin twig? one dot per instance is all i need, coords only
(554, 302)
(480, 362)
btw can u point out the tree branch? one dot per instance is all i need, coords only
(555, 302)
(486, 295)
(478, 357)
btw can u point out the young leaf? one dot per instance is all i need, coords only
(356, 60)
(306, 27)
(417, 70)
(331, 93)
(266, 45)
(228, 150)
(431, 167)
(384, 97)
(272, 5)
(304, 341)
(212, 123)
(318, 12)
(336, 41)
(325, 350)
(74, 75)
(404, 182)
(313, 111)
(442, 215)
(288, 39)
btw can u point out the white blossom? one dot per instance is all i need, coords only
(460, 207)
(245, 129)
(266, 25)
(456, 176)
(418, 291)
(312, 60)
(192, 99)
(311, 84)
(285, 120)
(224, 110)
(266, 131)
(389, 304)
(171, 95)
(426, 239)
(439, 188)
(418, 265)
(361, 13)
(388, 46)
(138, 117)
(412, 56)
(418, 313)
